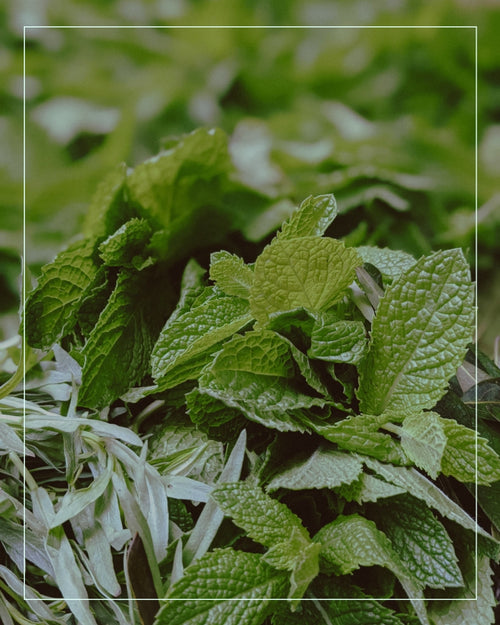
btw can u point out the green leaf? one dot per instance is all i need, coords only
(419, 335)
(424, 440)
(369, 488)
(468, 457)
(258, 351)
(274, 525)
(125, 247)
(263, 518)
(253, 374)
(107, 211)
(311, 218)
(310, 272)
(196, 331)
(51, 308)
(420, 487)
(272, 401)
(420, 540)
(361, 434)
(117, 351)
(338, 341)
(224, 587)
(390, 263)
(478, 610)
(353, 541)
(231, 274)
(165, 184)
(324, 468)
(365, 611)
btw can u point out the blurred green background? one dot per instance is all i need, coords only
(384, 118)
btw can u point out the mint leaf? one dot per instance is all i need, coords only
(337, 341)
(419, 335)
(311, 218)
(460, 459)
(309, 272)
(421, 541)
(253, 373)
(231, 274)
(361, 434)
(51, 308)
(369, 488)
(274, 525)
(125, 247)
(224, 587)
(353, 541)
(263, 352)
(390, 263)
(107, 211)
(364, 611)
(424, 440)
(116, 354)
(478, 610)
(324, 468)
(165, 184)
(420, 487)
(194, 332)
(269, 521)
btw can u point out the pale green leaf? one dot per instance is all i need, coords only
(324, 468)
(74, 501)
(98, 550)
(68, 576)
(390, 263)
(211, 516)
(10, 441)
(309, 272)
(196, 331)
(424, 440)
(311, 218)
(421, 541)
(338, 341)
(224, 587)
(467, 456)
(51, 308)
(231, 274)
(419, 335)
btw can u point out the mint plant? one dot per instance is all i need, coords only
(309, 403)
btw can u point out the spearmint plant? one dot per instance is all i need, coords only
(310, 404)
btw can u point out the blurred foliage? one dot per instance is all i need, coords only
(383, 118)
